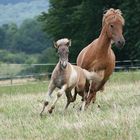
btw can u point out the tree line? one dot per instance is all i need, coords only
(80, 20)
(23, 44)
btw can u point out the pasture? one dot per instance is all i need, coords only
(118, 117)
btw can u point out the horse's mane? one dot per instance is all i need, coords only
(112, 14)
(62, 41)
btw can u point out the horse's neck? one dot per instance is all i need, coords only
(60, 68)
(104, 42)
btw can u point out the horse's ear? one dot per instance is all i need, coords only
(69, 42)
(55, 45)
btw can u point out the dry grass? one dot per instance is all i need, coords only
(117, 119)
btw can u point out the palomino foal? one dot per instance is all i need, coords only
(66, 77)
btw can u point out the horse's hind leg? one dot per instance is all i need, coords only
(51, 88)
(74, 96)
(91, 97)
(84, 95)
(70, 98)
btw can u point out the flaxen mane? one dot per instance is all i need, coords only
(112, 15)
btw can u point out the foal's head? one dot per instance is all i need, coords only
(63, 50)
(114, 22)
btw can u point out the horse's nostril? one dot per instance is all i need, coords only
(122, 43)
(119, 42)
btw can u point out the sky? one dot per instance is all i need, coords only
(13, 1)
(15, 11)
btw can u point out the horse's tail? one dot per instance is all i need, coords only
(92, 76)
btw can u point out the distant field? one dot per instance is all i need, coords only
(117, 119)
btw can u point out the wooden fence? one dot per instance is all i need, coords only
(27, 70)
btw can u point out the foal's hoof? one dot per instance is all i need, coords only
(99, 106)
(46, 103)
(50, 111)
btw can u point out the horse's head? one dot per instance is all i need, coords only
(63, 50)
(113, 21)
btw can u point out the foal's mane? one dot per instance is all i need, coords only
(111, 15)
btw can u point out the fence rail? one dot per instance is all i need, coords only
(23, 71)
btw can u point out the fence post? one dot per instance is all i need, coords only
(11, 80)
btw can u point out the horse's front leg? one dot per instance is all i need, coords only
(51, 88)
(59, 94)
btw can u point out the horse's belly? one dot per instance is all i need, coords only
(73, 78)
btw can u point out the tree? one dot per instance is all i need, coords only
(30, 38)
(131, 12)
(23, 44)
(81, 20)
(2, 38)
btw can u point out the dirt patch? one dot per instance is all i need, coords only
(16, 81)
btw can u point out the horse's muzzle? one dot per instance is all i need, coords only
(120, 43)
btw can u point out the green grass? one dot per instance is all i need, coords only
(117, 119)
(27, 88)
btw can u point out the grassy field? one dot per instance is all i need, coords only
(117, 119)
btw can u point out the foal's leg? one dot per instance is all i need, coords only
(59, 94)
(74, 96)
(69, 98)
(51, 88)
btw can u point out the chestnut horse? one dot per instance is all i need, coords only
(98, 56)
(66, 76)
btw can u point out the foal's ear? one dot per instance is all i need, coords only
(69, 43)
(55, 44)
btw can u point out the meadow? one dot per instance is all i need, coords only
(118, 117)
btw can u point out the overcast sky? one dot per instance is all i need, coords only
(13, 1)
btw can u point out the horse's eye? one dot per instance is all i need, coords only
(111, 25)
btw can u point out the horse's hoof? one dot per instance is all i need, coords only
(99, 106)
(50, 111)
(46, 103)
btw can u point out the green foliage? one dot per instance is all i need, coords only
(19, 58)
(28, 38)
(49, 55)
(131, 12)
(80, 21)
(23, 44)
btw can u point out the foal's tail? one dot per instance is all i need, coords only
(92, 76)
